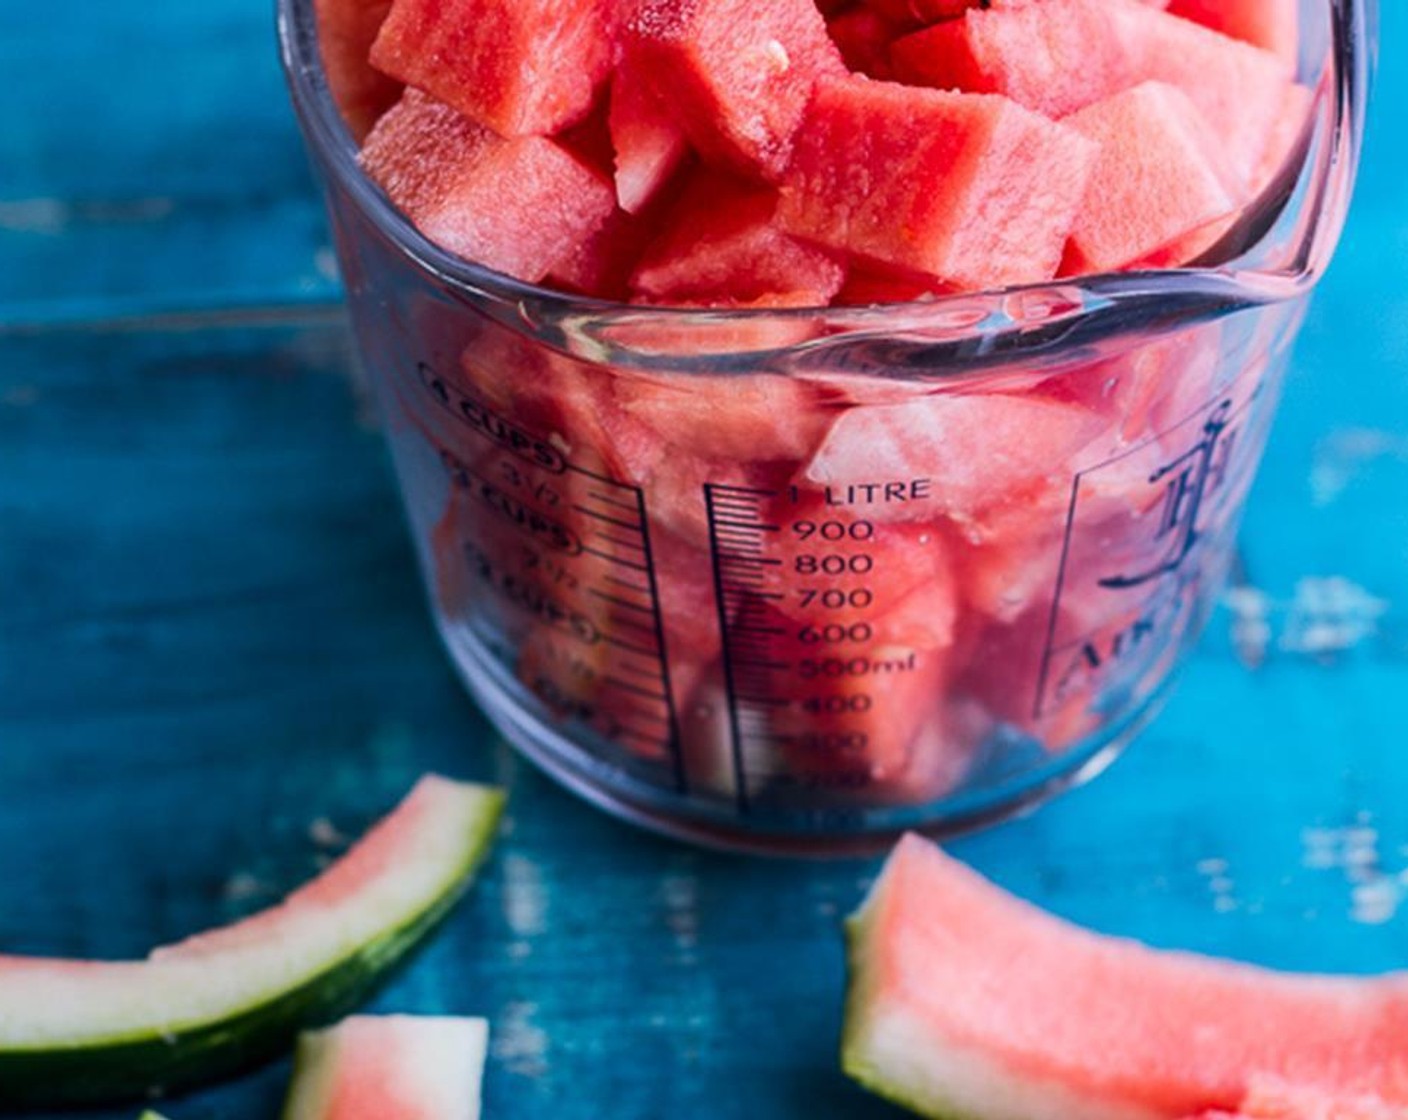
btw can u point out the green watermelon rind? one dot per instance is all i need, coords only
(142, 1065)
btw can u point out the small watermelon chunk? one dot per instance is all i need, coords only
(518, 206)
(1058, 56)
(977, 451)
(1272, 25)
(935, 182)
(721, 246)
(519, 67)
(965, 1001)
(390, 1067)
(80, 1030)
(863, 37)
(1054, 56)
(346, 30)
(601, 266)
(649, 144)
(921, 11)
(1157, 177)
(737, 73)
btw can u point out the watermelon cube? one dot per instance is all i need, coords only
(520, 67)
(913, 12)
(518, 206)
(863, 37)
(721, 245)
(346, 29)
(601, 265)
(1159, 176)
(1055, 56)
(648, 142)
(736, 73)
(1273, 25)
(977, 451)
(933, 182)
(1058, 56)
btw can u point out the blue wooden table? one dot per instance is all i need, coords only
(211, 634)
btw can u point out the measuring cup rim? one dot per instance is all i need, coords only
(970, 330)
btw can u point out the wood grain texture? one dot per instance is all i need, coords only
(212, 636)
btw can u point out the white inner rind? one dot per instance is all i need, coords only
(419, 854)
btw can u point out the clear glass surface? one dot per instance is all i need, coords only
(796, 581)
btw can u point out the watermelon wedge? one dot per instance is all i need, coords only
(81, 1030)
(965, 1002)
(390, 1067)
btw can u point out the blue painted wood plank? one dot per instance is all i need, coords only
(211, 636)
(151, 162)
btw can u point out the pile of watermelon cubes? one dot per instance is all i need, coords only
(745, 153)
(784, 153)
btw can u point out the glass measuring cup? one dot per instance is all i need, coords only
(799, 580)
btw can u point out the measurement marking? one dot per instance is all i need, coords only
(729, 491)
(734, 558)
(617, 540)
(662, 653)
(620, 602)
(741, 628)
(619, 644)
(615, 559)
(740, 776)
(619, 582)
(599, 477)
(633, 689)
(765, 701)
(606, 517)
(757, 526)
(649, 672)
(749, 662)
(641, 713)
(611, 501)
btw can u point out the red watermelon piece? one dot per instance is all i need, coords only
(721, 246)
(863, 36)
(735, 73)
(935, 182)
(390, 1067)
(965, 1001)
(1058, 56)
(346, 30)
(1273, 25)
(1273, 1098)
(1054, 56)
(648, 142)
(601, 265)
(978, 451)
(921, 11)
(519, 67)
(518, 206)
(1158, 177)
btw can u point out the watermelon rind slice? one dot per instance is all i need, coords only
(390, 1067)
(80, 1031)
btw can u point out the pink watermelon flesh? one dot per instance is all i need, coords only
(976, 450)
(649, 144)
(390, 1067)
(965, 1001)
(1058, 56)
(721, 245)
(346, 29)
(1157, 177)
(601, 266)
(519, 67)
(736, 74)
(921, 11)
(1273, 25)
(518, 206)
(1272, 1098)
(935, 182)
(1054, 56)
(863, 36)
